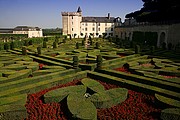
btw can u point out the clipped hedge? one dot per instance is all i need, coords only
(34, 87)
(81, 108)
(44, 72)
(36, 79)
(50, 62)
(168, 101)
(170, 114)
(52, 67)
(18, 99)
(59, 94)
(92, 84)
(16, 76)
(158, 77)
(13, 112)
(15, 67)
(109, 98)
(132, 84)
(144, 80)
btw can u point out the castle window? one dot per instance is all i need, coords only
(72, 17)
(72, 29)
(93, 29)
(85, 29)
(111, 29)
(105, 29)
(99, 29)
(86, 24)
(98, 24)
(93, 24)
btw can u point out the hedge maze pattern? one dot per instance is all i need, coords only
(33, 65)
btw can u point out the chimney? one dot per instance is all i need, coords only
(108, 15)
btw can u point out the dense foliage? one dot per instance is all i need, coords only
(157, 11)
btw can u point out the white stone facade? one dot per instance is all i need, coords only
(77, 26)
(30, 31)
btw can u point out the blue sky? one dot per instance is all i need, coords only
(47, 13)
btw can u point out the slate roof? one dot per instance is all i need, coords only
(98, 19)
(79, 9)
(25, 28)
(6, 30)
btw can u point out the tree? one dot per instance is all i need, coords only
(104, 35)
(81, 34)
(75, 35)
(97, 34)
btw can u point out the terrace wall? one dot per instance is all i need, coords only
(166, 33)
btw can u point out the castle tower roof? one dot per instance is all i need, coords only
(79, 9)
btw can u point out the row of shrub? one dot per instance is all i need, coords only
(103, 75)
(30, 85)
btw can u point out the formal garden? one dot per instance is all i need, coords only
(59, 78)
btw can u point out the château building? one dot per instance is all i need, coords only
(29, 31)
(76, 25)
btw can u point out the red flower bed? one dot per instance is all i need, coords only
(136, 106)
(37, 110)
(122, 55)
(53, 55)
(147, 65)
(165, 76)
(122, 69)
(41, 65)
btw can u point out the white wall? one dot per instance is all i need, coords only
(34, 34)
(93, 27)
(31, 34)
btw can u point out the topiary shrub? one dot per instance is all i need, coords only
(1, 46)
(24, 50)
(44, 44)
(170, 114)
(75, 62)
(64, 40)
(26, 43)
(56, 39)
(59, 94)
(6, 46)
(30, 42)
(93, 85)
(109, 98)
(81, 108)
(77, 45)
(99, 61)
(137, 49)
(126, 66)
(97, 45)
(54, 45)
(45, 39)
(83, 42)
(39, 50)
(12, 45)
